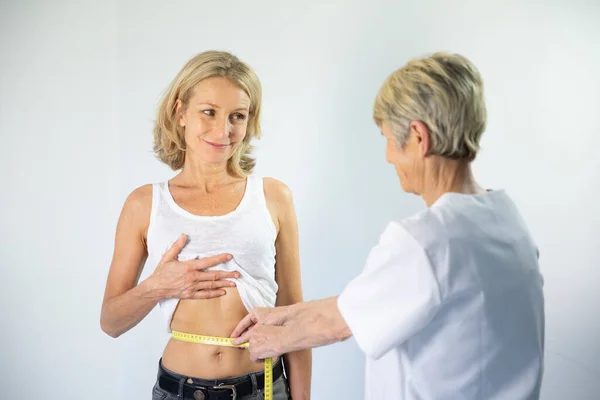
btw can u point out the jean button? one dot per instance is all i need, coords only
(198, 395)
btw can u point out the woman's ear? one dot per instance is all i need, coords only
(423, 137)
(179, 113)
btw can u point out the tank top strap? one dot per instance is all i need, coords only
(155, 211)
(156, 188)
(256, 192)
(256, 196)
(159, 197)
(161, 187)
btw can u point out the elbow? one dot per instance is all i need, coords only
(108, 328)
(110, 331)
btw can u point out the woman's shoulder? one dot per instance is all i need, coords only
(276, 190)
(141, 195)
(423, 227)
(138, 203)
(278, 198)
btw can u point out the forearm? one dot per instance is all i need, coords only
(123, 312)
(298, 366)
(315, 323)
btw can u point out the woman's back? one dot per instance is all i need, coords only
(492, 302)
(477, 313)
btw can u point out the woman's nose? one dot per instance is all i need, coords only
(221, 129)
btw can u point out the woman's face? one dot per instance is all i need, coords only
(407, 159)
(215, 120)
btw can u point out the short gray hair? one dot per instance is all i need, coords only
(445, 92)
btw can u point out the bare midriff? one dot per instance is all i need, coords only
(210, 317)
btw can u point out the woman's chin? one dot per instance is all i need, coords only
(404, 186)
(216, 159)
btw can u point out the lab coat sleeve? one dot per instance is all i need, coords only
(395, 295)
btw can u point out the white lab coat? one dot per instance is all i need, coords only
(450, 305)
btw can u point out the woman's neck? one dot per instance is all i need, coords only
(203, 175)
(447, 176)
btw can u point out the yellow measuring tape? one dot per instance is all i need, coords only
(228, 342)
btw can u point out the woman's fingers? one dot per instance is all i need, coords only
(174, 250)
(207, 262)
(206, 285)
(248, 321)
(207, 289)
(215, 275)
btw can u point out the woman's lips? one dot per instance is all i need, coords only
(216, 145)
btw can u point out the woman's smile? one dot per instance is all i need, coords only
(218, 146)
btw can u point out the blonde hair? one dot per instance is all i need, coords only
(445, 92)
(169, 141)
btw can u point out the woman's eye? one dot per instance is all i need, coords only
(239, 117)
(210, 113)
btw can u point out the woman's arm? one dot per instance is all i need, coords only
(272, 331)
(125, 302)
(287, 273)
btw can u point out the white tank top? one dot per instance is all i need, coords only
(247, 233)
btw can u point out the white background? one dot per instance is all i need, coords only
(79, 86)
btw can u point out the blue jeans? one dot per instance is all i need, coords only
(193, 386)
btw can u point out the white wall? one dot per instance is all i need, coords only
(79, 85)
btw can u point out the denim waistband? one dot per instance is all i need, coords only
(215, 382)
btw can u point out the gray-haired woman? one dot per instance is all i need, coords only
(450, 303)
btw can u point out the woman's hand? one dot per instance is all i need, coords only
(259, 328)
(260, 316)
(271, 332)
(187, 279)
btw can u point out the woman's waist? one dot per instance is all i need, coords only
(208, 361)
(212, 317)
(228, 368)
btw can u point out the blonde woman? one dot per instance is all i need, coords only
(450, 304)
(217, 240)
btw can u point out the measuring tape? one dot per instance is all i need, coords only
(228, 342)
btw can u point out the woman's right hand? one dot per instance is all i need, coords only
(187, 279)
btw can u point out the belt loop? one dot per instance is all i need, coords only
(254, 383)
(180, 392)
